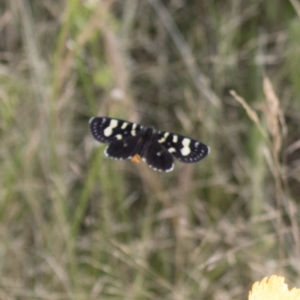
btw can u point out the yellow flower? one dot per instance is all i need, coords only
(273, 289)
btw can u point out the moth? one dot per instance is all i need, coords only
(133, 141)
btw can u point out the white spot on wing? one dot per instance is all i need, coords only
(171, 169)
(175, 138)
(119, 136)
(172, 150)
(109, 130)
(186, 150)
(124, 125)
(163, 139)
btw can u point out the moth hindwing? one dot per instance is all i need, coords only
(128, 140)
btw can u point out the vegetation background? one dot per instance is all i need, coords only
(76, 225)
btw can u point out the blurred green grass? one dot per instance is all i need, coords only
(76, 225)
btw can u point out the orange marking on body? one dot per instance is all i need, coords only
(136, 158)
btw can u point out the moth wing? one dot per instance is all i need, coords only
(183, 148)
(107, 130)
(122, 149)
(157, 157)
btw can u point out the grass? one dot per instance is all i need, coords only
(76, 225)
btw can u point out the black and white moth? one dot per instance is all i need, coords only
(128, 140)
